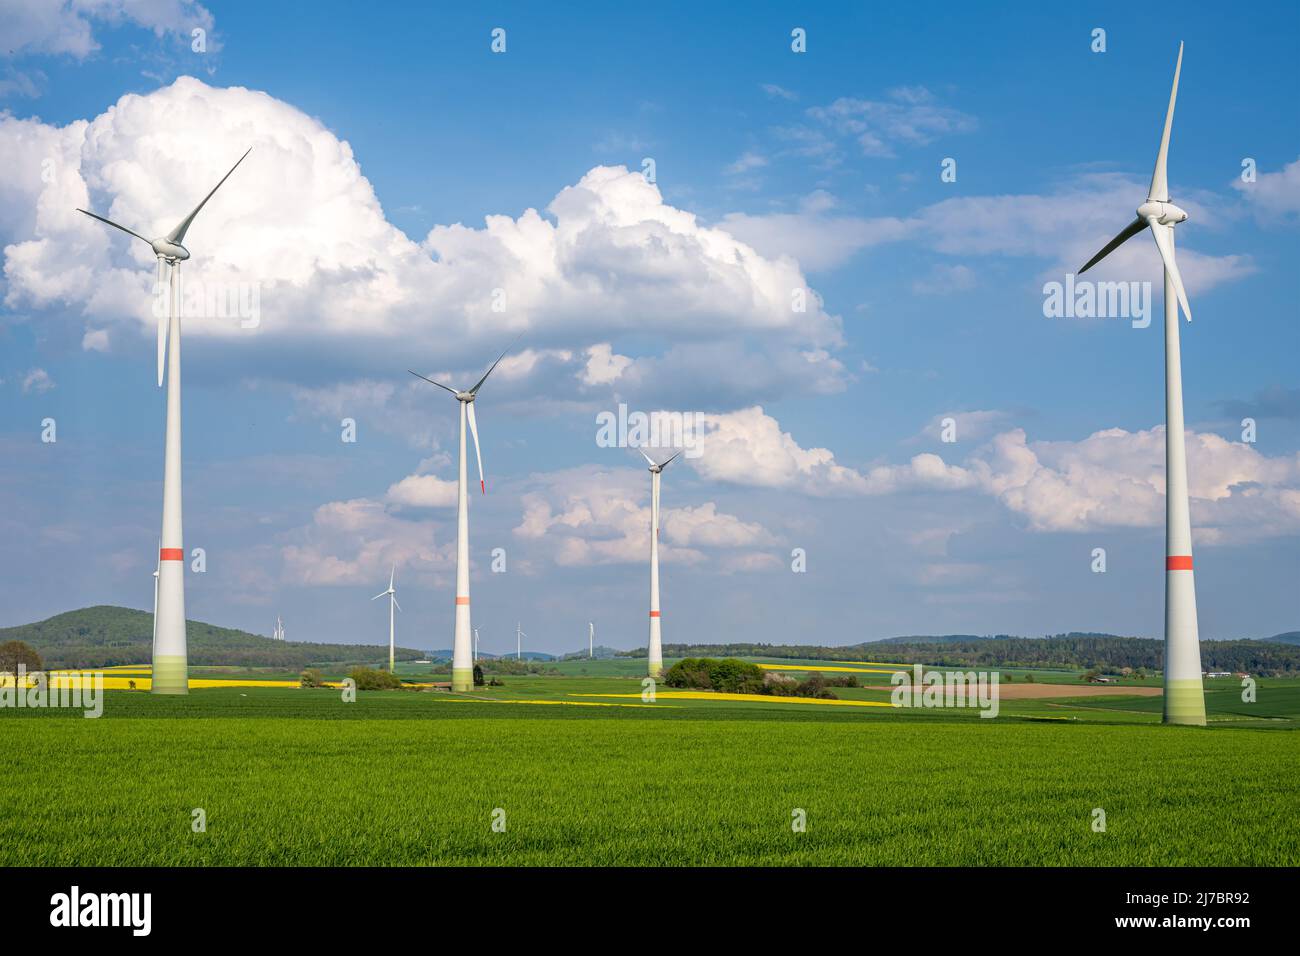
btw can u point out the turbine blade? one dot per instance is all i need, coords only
(392, 576)
(648, 459)
(669, 461)
(164, 320)
(1131, 230)
(473, 430)
(379, 595)
(395, 604)
(1164, 236)
(1160, 178)
(114, 225)
(177, 235)
(474, 390)
(432, 382)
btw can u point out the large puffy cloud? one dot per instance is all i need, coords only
(747, 447)
(338, 285)
(591, 516)
(1111, 479)
(1115, 478)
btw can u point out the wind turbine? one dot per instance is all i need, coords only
(656, 653)
(1184, 694)
(519, 641)
(476, 645)
(170, 655)
(393, 602)
(591, 640)
(462, 666)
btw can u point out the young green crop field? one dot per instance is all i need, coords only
(287, 776)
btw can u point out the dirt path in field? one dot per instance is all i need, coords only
(1035, 691)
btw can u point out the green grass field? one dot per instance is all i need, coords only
(291, 776)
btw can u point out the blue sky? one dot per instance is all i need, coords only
(382, 140)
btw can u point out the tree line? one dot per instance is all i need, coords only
(1087, 651)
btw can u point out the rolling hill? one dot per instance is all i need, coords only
(105, 635)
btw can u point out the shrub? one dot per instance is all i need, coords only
(815, 686)
(367, 678)
(311, 677)
(478, 675)
(729, 675)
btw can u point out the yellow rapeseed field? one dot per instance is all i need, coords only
(827, 667)
(759, 698)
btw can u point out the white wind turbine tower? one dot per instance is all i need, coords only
(1184, 694)
(476, 645)
(462, 667)
(591, 640)
(392, 603)
(170, 663)
(656, 652)
(519, 641)
(156, 569)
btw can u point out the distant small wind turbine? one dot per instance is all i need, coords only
(278, 633)
(591, 640)
(656, 653)
(1184, 698)
(519, 641)
(476, 645)
(462, 668)
(170, 657)
(392, 603)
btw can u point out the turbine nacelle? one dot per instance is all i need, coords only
(168, 249)
(655, 467)
(1165, 213)
(173, 252)
(466, 397)
(1157, 214)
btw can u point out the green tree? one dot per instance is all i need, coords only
(14, 653)
(478, 675)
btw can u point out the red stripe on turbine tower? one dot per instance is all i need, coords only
(654, 613)
(171, 554)
(1178, 562)
(462, 600)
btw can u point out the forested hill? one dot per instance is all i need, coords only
(103, 636)
(1106, 652)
